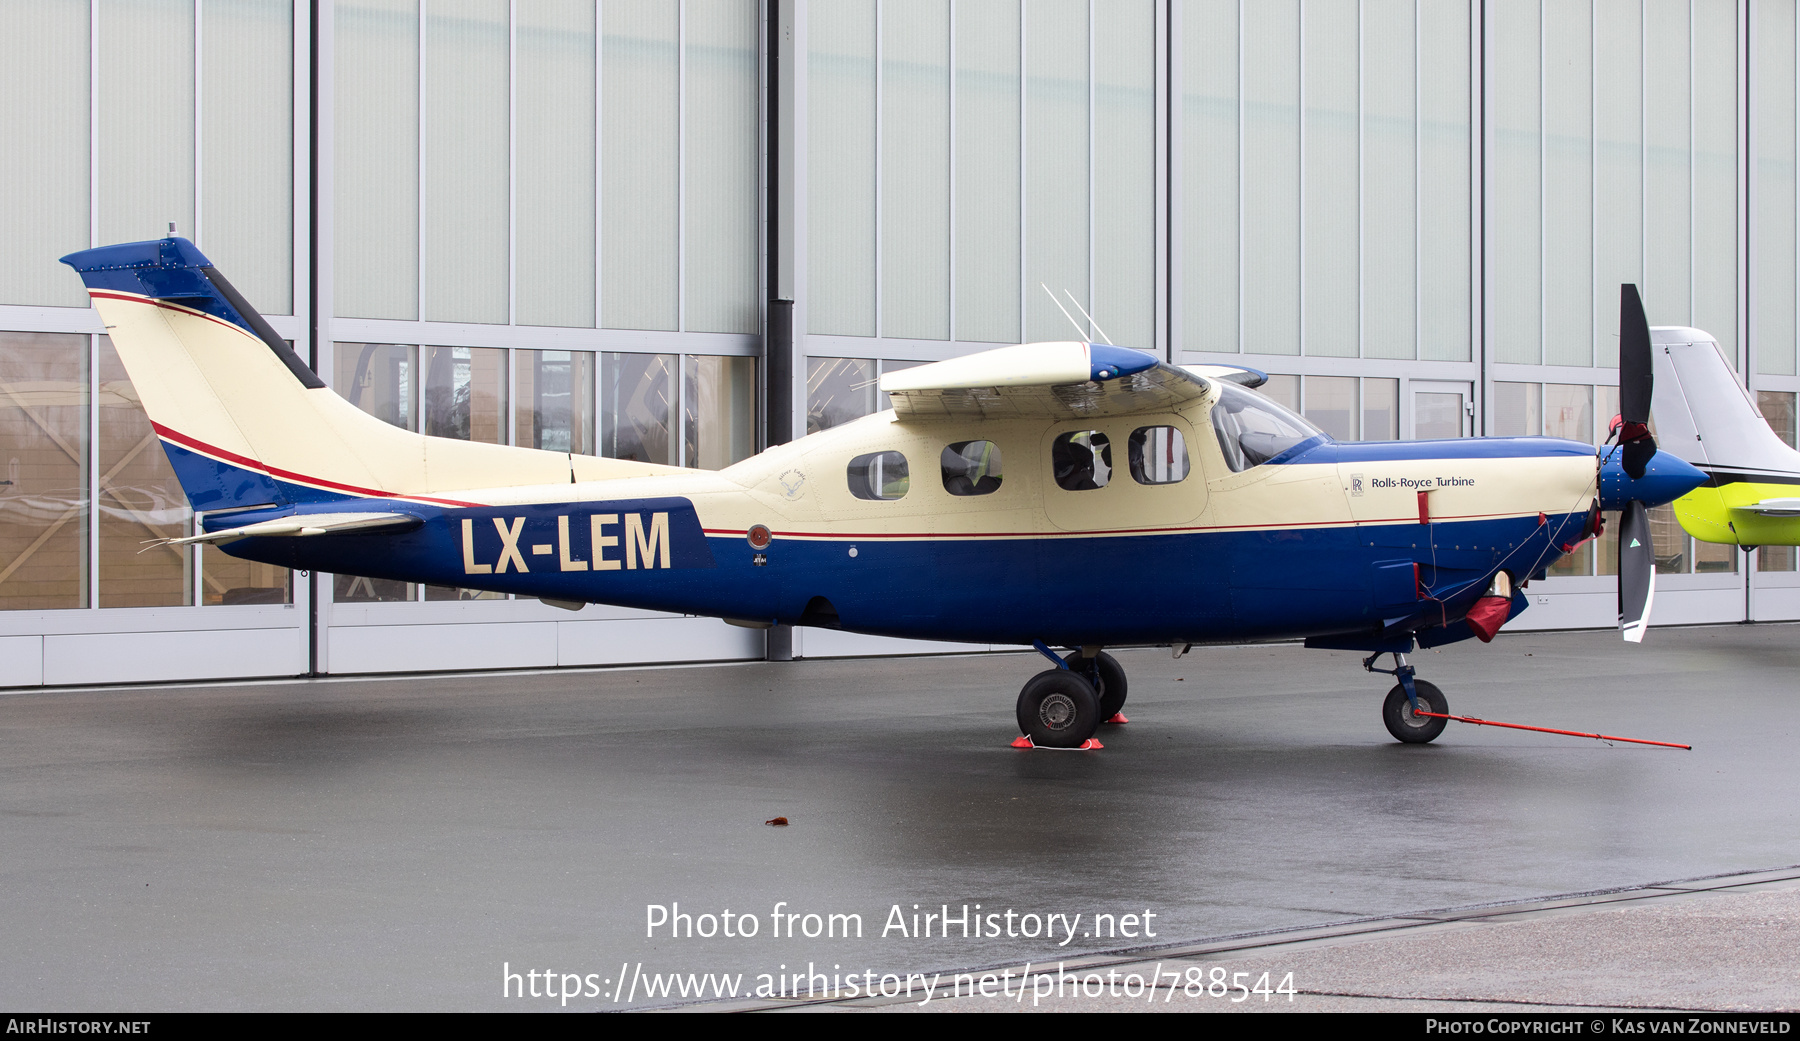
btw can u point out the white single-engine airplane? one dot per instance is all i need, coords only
(1086, 495)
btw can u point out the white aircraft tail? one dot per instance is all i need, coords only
(1705, 416)
(246, 423)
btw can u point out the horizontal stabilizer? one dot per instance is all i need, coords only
(1065, 380)
(302, 525)
(1772, 508)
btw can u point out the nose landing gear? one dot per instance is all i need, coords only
(1400, 712)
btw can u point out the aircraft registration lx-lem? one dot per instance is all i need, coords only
(1072, 495)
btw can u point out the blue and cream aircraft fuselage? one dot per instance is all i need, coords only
(1063, 494)
(1326, 541)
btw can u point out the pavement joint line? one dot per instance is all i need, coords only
(1515, 1001)
(1360, 928)
(1467, 912)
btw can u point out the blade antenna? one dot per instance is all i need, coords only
(1103, 337)
(1079, 331)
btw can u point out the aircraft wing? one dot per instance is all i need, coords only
(1772, 508)
(1051, 380)
(304, 524)
(1239, 374)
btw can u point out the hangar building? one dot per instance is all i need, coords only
(565, 224)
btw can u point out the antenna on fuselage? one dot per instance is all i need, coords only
(1079, 331)
(1103, 337)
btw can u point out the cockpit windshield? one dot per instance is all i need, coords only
(1253, 429)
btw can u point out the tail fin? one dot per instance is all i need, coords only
(246, 423)
(1705, 416)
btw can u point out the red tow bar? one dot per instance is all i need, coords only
(1548, 730)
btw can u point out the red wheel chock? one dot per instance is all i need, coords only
(1117, 717)
(1086, 746)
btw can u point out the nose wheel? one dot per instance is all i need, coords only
(1403, 720)
(1401, 712)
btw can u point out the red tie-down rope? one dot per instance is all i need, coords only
(1547, 730)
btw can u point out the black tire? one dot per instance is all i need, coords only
(1108, 681)
(1397, 713)
(1058, 709)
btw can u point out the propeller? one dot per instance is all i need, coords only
(1637, 557)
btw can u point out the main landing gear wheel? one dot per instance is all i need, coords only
(1058, 709)
(1408, 726)
(1108, 680)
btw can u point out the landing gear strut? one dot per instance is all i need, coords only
(1108, 678)
(1401, 709)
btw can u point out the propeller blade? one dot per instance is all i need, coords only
(1636, 383)
(1637, 571)
(1636, 380)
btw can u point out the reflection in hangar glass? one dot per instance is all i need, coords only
(380, 379)
(140, 500)
(465, 393)
(879, 475)
(972, 468)
(838, 390)
(1252, 429)
(44, 503)
(1158, 455)
(719, 410)
(637, 395)
(554, 410)
(1082, 460)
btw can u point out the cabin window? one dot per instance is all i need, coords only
(1158, 455)
(1253, 429)
(879, 475)
(971, 468)
(1082, 460)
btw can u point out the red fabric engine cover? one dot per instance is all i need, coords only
(1488, 615)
